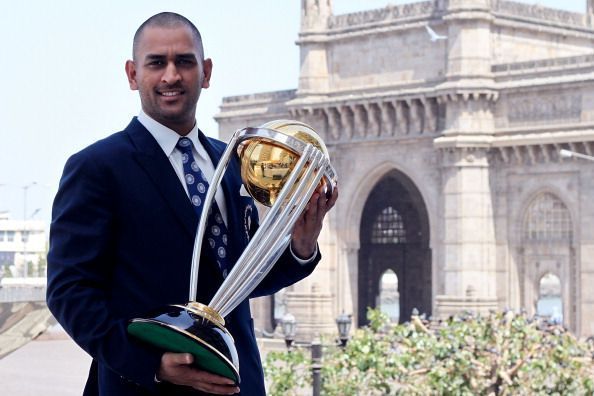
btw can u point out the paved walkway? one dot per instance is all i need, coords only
(50, 366)
(53, 365)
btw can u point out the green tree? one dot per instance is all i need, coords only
(7, 272)
(288, 371)
(42, 265)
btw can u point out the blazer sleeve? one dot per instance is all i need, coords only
(80, 260)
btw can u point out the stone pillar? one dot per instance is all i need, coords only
(469, 39)
(312, 300)
(467, 265)
(347, 297)
(261, 308)
(312, 308)
(590, 12)
(313, 75)
(584, 257)
(585, 323)
(314, 14)
(468, 262)
(469, 118)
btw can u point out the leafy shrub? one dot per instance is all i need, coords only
(499, 354)
(289, 371)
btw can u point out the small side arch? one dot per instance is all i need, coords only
(546, 234)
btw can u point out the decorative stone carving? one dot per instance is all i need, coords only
(543, 64)
(430, 107)
(517, 150)
(387, 118)
(535, 11)
(428, 8)
(378, 119)
(373, 122)
(315, 14)
(286, 95)
(416, 117)
(359, 120)
(588, 147)
(464, 156)
(401, 118)
(533, 154)
(544, 149)
(346, 121)
(334, 125)
(543, 108)
(389, 13)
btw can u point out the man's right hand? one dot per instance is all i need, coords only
(176, 368)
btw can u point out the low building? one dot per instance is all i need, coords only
(22, 247)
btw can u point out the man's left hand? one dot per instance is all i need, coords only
(308, 226)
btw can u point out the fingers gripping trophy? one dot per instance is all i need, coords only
(282, 164)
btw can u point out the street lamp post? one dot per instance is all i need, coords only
(289, 326)
(343, 323)
(316, 367)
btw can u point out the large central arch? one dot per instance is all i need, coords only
(394, 235)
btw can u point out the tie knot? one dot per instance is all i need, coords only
(184, 144)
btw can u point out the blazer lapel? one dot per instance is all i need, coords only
(156, 164)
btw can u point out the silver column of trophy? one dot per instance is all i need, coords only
(282, 163)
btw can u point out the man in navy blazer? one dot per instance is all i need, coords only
(123, 229)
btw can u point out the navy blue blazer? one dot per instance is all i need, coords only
(121, 242)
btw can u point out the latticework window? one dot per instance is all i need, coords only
(388, 227)
(547, 220)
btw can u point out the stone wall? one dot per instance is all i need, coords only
(385, 60)
(251, 110)
(24, 293)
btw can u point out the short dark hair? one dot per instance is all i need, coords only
(168, 20)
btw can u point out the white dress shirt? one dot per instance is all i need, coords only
(167, 140)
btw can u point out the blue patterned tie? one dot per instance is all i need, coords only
(216, 231)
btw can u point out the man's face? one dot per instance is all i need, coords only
(169, 75)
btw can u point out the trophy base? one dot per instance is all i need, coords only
(191, 328)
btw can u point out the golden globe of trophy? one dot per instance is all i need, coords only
(282, 163)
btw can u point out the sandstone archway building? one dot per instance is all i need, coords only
(448, 157)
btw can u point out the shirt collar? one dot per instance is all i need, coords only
(167, 138)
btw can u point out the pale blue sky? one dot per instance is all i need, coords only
(63, 75)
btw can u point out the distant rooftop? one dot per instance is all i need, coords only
(261, 97)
